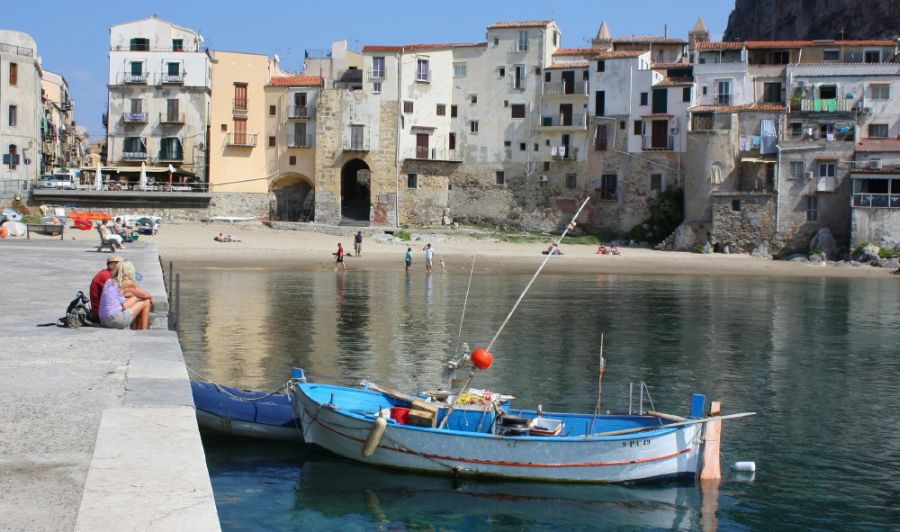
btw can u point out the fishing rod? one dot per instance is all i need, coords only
(465, 389)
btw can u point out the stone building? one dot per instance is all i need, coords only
(159, 100)
(62, 145)
(875, 205)
(20, 111)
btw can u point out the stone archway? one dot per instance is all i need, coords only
(356, 198)
(295, 198)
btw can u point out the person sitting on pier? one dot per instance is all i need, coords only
(123, 303)
(106, 234)
(98, 282)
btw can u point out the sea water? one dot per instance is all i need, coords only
(817, 358)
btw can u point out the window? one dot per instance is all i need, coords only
(139, 44)
(473, 127)
(170, 149)
(240, 96)
(172, 110)
(645, 98)
(441, 109)
(797, 169)
(134, 145)
(523, 146)
(453, 111)
(831, 54)
(872, 56)
(772, 93)
(519, 79)
(271, 110)
(548, 77)
(459, 70)
(686, 94)
(796, 129)
(571, 180)
(422, 71)
(473, 98)
(827, 169)
(177, 45)
(601, 66)
(378, 67)
(507, 143)
(13, 74)
(292, 160)
(880, 92)
(523, 41)
(376, 87)
(875, 130)
(517, 110)
(638, 127)
(601, 139)
(536, 146)
(407, 107)
(704, 90)
(585, 75)
(451, 141)
(13, 115)
(136, 106)
(781, 57)
(496, 41)
(501, 177)
(736, 205)
(621, 124)
(271, 141)
(546, 166)
(224, 127)
(828, 92)
(812, 208)
(357, 136)
(723, 96)
(12, 158)
(412, 181)
(173, 69)
(656, 182)
(501, 71)
(608, 183)
(599, 103)
(555, 38)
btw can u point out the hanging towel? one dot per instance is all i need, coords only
(768, 137)
(553, 151)
(745, 143)
(755, 141)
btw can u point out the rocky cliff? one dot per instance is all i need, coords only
(813, 19)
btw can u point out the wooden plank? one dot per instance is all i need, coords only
(670, 425)
(712, 436)
(670, 417)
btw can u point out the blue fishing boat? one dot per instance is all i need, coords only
(228, 411)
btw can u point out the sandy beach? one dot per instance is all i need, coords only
(263, 247)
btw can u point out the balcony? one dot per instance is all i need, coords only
(134, 156)
(239, 106)
(171, 79)
(171, 118)
(243, 140)
(171, 155)
(132, 78)
(134, 118)
(876, 201)
(579, 88)
(375, 74)
(565, 121)
(658, 143)
(424, 153)
(564, 153)
(301, 111)
(300, 141)
(355, 144)
(66, 105)
(823, 105)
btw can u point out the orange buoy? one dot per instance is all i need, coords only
(482, 358)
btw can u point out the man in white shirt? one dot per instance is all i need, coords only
(429, 257)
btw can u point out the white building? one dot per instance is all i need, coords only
(20, 111)
(62, 146)
(159, 98)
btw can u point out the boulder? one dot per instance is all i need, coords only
(685, 239)
(816, 257)
(798, 257)
(762, 250)
(824, 240)
(869, 254)
(707, 248)
(892, 264)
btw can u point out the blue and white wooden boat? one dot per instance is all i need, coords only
(356, 423)
(249, 413)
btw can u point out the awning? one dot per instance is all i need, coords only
(874, 175)
(137, 170)
(758, 160)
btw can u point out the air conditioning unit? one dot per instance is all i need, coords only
(875, 164)
(543, 178)
(808, 175)
(867, 110)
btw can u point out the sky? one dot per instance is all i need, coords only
(73, 37)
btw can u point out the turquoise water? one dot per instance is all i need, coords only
(817, 358)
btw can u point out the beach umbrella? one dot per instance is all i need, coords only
(143, 179)
(171, 171)
(98, 178)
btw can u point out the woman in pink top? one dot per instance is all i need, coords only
(122, 303)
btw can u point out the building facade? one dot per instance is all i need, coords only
(62, 142)
(20, 110)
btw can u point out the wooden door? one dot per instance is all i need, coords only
(568, 77)
(240, 96)
(422, 146)
(660, 101)
(240, 132)
(660, 134)
(565, 114)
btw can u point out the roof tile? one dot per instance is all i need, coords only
(879, 145)
(418, 47)
(743, 108)
(521, 24)
(647, 39)
(297, 81)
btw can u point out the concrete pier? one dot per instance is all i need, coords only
(97, 426)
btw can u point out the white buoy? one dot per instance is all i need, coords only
(374, 437)
(749, 467)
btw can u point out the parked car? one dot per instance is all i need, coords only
(58, 181)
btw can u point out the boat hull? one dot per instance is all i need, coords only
(649, 455)
(227, 411)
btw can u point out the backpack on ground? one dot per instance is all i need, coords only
(78, 313)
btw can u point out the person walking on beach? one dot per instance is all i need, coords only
(429, 257)
(340, 257)
(357, 244)
(408, 259)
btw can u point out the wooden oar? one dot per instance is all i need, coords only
(671, 425)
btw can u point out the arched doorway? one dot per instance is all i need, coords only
(295, 198)
(355, 190)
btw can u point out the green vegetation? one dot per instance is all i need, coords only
(699, 248)
(816, 251)
(666, 214)
(31, 219)
(402, 234)
(888, 253)
(859, 249)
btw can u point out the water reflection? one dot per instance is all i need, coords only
(816, 357)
